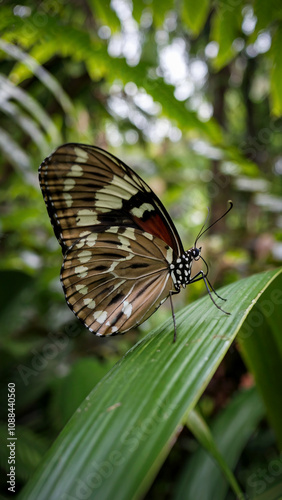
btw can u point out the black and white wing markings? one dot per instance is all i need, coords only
(118, 240)
(86, 189)
(122, 254)
(116, 279)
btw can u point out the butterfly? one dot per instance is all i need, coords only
(123, 256)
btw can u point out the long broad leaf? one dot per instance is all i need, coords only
(229, 434)
(124, 427)
(261, 344)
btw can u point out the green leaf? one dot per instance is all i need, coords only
(33, 106)
(194, 14)
(174, 109)
(226, 24)
(119, 436)
(266, 13)
(42, 74)
(276, 72)
(160, 14)
(102, 10)
(261, 344)
(99, 65)
(228, 436)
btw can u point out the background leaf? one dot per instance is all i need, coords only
(276, 73)
(260, 341)
(195, 14)
(230, 430)
(226, 21)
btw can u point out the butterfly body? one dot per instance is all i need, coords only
(122, 254)
(180, 269)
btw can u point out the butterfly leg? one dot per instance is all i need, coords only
(206, 276)
(173, 316)
(202, 276)
(213, 290)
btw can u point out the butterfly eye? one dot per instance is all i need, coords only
(197, 253)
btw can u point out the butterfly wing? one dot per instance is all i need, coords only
(117, 238)
(87, 189)
(116, 279)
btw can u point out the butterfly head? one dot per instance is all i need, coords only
(196, 253)
(181, 268)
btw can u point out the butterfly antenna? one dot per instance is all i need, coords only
(215, 222)
(199, 233)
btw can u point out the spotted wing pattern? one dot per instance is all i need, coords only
(118, 240)
(116, 279)
(88, 189)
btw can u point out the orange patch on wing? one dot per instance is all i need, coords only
(155, 226)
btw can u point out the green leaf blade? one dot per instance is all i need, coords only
(230, 431)
(260, 342)
(195, 14)
(226, 23)
(276, 73)
(115, 438)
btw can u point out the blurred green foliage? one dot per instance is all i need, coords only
(189, 94)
